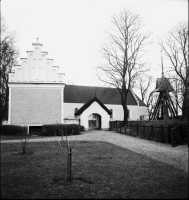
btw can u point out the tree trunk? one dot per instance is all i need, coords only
(125, 115)
(184, 106)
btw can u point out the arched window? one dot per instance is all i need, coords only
(48, 71)
(37, 53)
(111, 110)
(19, 75)
(25, 70)
(60, 79)
(12, 78)
(75, 110)
(128, 112)
(54, 75)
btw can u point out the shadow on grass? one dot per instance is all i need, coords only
(23, 154)
(100, 170)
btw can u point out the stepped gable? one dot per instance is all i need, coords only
(36, 68)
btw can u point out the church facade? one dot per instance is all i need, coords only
(38, 95)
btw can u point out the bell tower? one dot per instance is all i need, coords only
(164, 107)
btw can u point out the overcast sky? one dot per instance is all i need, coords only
(72, 31)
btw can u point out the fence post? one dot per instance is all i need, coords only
(116, 126)
(162, 134)
(175, 137)
(120, 126)
(144, 131)
(137, 130)
(169, 134)
(125, 129)
(152, 131)
(130, 128)
(179, 135)
(187, 136)
(70, 163)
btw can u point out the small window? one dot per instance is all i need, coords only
(128, 112)
(60, 79)
(75, 110)
(111, 110)
(12, 78)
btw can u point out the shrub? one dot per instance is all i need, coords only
(82, 128)
(52, 129)
(13, 130)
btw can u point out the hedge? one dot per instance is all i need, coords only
(13, 130)
(52, 129)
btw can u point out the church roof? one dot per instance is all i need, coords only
(163, 84)
(88, 103)
(82, 94)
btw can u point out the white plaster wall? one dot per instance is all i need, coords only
(95, 108)
(69, 109)
(117, 111)
(36, 106)
(135, 111)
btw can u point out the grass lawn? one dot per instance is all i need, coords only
(100, 170)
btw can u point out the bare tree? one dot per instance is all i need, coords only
(122, 54)
(151, 102)
(175, 47)
(65, 143)
(177, 94)
(8, 54)
(24, 137)
(143, 85)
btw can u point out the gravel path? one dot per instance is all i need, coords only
(176, 156)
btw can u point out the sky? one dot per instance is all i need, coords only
(72, 31)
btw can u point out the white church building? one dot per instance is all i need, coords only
(38, 95)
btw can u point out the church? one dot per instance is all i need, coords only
(38, 95)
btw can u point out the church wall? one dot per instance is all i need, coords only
(135, 111)
(69, 109)
(95, 108)
(36, 106)
(36, 90)
(117, 111)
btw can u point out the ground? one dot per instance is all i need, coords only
(105, 165)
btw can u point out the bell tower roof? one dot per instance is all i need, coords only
(163, 84)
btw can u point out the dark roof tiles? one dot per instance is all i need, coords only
(82, 94)
(88, 103)
(163, 84)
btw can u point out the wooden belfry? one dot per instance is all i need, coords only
(164, 107)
